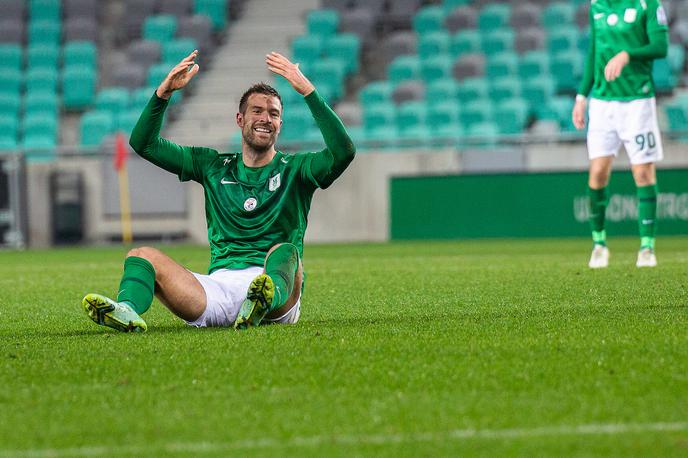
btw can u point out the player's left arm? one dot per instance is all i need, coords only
(328, 164)
(656, 48)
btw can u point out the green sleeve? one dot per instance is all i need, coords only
(657, 34)
(589, 70)
(184, 161)
(326, 165)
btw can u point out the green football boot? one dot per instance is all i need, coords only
(116, 315)
(257, 304)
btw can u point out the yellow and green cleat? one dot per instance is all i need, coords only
(258, 301)
(116, 315)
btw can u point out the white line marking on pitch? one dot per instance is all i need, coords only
(376, 439)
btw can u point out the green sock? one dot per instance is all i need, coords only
(281, 266)
(138, 284)
(647, 215)
(598, 199)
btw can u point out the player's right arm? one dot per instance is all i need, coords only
(145, 137)
(580, 105)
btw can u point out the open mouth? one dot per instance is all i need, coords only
(262, 130)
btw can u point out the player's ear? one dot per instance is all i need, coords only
(240, 120)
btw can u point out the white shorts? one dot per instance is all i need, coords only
(633, 123)
(225, 290)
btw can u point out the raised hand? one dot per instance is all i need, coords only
(179, 76)
(279, 64)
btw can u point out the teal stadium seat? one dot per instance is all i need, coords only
(80, 53)
(40, 125)
(676, 55)
(95, 126)
(434, 44)
(140, 98)
(346, 48)
(497, 41)
(504, 88)
(306, 49)
(451, 5)
(39, 147)
(538, 92)
(677, 116)
(10, 104)
(558, 109)
(126, 120)
(9, 126)
(8, 143)
(494, 16)
(376, 92)
(533, 64)
(511, 116)
(174, 51)
(328, 74)
(43, 56)
(12, 56)
(161, 28)
(476, 112)
(663, 76)
(41, 102)
(472, 89)
(50, 10)
(435, 68)
(429, 19)
(11, 80)
(465, 42)
(482, 135)
(216, 10)
(297, 119)
(584, 41)
(501, 64)
(444, 121)
(112, 99)
(558, 14)
(567, 70)
(411, 114)
(44, 32)
(41, 79)
(404, 68)
(444, 89)
(78, 87)
(379, 116)
(562, 39)
(322, 22)
(156, 74)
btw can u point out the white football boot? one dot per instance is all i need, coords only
(646, 258)
(599, 258)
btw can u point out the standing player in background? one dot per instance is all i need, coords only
(626, 36)
(256, 204)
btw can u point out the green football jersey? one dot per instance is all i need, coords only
(636, 26)
(249, 210)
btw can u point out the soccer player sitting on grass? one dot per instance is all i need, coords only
(256, 203)
(626, 36)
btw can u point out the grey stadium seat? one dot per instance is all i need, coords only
(407, 91)
(469, 65)
(338, 5)
(359, 21)
(12, 31)
(13, 10)
(80, 8)
(131, 76)
(583, 15)
(178, 8)
(461, 18)
(135, 13)
(80, 28)
(526, 15)
(144, 52)
(399, 14)
(200, 28)
(375, 6)
(529, 39)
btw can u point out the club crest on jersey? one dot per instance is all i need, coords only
(274, 182)
(250, 204)
(630, 14)
(612, 19)
(661, 16)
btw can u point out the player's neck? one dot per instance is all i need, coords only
(253, 158)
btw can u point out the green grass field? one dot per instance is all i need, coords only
(489, 348)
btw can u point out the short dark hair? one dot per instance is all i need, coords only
(259, 88)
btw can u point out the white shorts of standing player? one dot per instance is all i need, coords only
(633, 123)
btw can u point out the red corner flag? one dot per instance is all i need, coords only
(121, 152)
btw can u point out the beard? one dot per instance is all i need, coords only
(258, 144)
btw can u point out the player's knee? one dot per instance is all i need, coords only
(285, 247)
(148, 253)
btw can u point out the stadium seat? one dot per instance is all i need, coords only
(41, 79)
(8, 143)
(433, 44)
(10, 104)
(411, 114)
(140, 98)
(408, 90)
(380, 115)
(112, 99)
(533, 64)
(43, 56)
(41, 102)
(567, 70)
(525, 15)
(461, 18)
(306, 49)
(126, 120)
(444, 122)
(469, 66)
(216, 10)
(80, 29)
(78, 87)
(174, 51)
(161, 28)
(504, 88)
(558, 14)
(497, 41)
(322, 23)
(360, 22)
(481, 135)
(494, 16)
(346, 48)
(511, 116)
(476, 112)
(472, 89)
(404, 68)
(11, 80)
(9, 125)
(538, 92)
(200, 28)
(156, 74)
(95, 126)
(663, 76)
(40, 124)
(451, 5)
(558, 109)
(50, 10)
(375, 92)
(442, 90)
(44, 32)
(12, 56)
(11, 31)
(177, 8)
(80, 53)
(465, 42)
(562, 39)
(329, 72)
(13, 10)
(529, 39)
(39, 147)
(435, 68)
(501, 64)
(130, 76)
(428, 19)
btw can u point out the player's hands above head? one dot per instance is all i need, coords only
(578, 114)
(279, 64)
(179, 76)
(615, 65)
